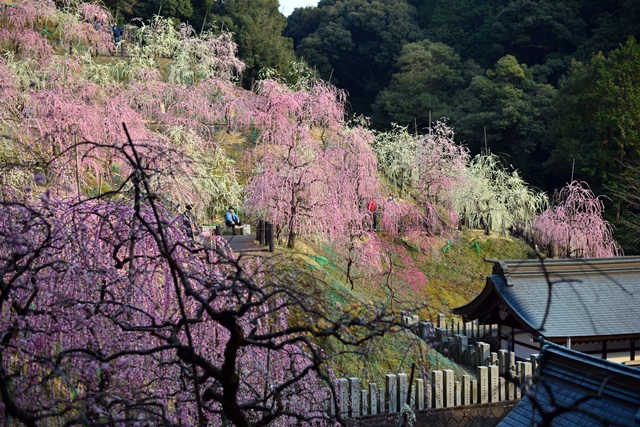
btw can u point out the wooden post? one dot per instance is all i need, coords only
(218, 231)
(533, 358)
(503, 361)
(267, 225)
(511, 389)
(260, 232)
(403, 385)
(270, 237)
(518, 378)
(354, 396)
(419, 394)
(442, 321)
(494, 384)
(525, 375)
(373, 399)
(449, 392)
(463, 344)
(511, 365)
(483, 351)
(364, 402)
(409, 397)
(494, 358)
(437, 393)
(483, 384)
(466, 390)
(474, 391)
(392, 393)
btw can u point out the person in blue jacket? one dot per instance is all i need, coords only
(232, 220)
(117, 32)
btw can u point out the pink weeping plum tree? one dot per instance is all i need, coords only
(22, 33)
(439, 169)
(110, 314)
(29, 25)
(313, 172)
(440, 163)
(575, 226)
(49, 102)
(115, 339)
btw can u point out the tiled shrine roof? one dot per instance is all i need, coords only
(579, 298)
(575, 389)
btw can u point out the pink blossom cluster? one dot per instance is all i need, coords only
(575, 227)
(108, 312)
(95, 296)
(314, 172)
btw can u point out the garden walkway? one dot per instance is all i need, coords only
(245, 243)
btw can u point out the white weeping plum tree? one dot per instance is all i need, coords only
(496, 199)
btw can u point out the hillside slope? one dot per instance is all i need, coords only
(453, 277)
(103, 154)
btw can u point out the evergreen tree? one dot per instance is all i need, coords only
(599, 125)
(428, 76)
(258, 28)
(513, 110)
(465, 25)
(146, 9)
(355, 43)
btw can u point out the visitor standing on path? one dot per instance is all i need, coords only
(189, 222)
(117, 31)
(373, 208)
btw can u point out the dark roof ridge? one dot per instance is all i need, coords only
(549, 348)
(576, 389)
(542, 267)
(581, 299)
(589, 370)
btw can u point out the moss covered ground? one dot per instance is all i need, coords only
(455, 275)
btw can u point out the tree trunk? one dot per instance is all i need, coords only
(291, 241)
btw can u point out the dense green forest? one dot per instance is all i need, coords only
(522, 71)
(551, 86)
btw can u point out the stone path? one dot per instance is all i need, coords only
(245, 243)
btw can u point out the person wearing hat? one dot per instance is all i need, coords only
(232, 219)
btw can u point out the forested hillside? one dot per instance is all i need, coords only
(550, 85)
(113, 311)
